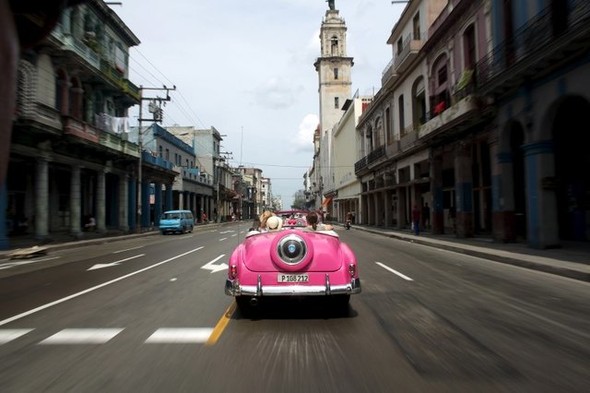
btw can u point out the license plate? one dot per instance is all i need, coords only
(292, 278)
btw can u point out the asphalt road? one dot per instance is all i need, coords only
(149, 315)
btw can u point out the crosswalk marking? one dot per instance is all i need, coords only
(7, 335)
(180, 335)
(82, 336)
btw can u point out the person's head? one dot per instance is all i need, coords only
(312, 219)
(274, 223)
(264, 216)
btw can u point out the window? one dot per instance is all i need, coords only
(469, 47)
(416, 23)
(402, 121)
(400, 46)
(336, 102)
(161, 152)
(335, 73)
(334, 46)
(442, 75)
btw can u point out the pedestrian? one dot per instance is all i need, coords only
(426, 215)
(416, 220)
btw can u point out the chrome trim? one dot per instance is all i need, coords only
(233, 288)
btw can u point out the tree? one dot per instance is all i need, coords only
(298, 200)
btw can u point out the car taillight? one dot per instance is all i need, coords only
(233, 271)
(352, 269)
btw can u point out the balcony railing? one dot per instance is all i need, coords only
(410, 49)
(535, 40)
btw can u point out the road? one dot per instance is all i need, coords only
(149, 315)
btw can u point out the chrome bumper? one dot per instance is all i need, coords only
(233, 288)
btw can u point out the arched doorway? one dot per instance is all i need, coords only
(571, 138)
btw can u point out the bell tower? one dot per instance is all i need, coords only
(333, 68)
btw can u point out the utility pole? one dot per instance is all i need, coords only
(155, 107)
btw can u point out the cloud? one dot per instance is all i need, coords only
(277, 93)
(304, 138)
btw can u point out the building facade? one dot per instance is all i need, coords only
(477, 120)
(70, 157)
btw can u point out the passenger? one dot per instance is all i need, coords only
(314, 224)
(263, 217)
(274, 223)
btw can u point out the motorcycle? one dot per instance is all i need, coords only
(347, 225)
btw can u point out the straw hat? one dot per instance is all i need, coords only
(274, 223)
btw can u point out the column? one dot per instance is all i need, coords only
(145, 204)
(157, 203)
(168, 197)
(132, 203)
(437, 216)
(100, 201)
(387, 208)
(75, 202)
(123, 205)
(464, 190)
(42, 199)
(541, 200)
(4, 243)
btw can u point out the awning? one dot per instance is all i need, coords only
(327, 201)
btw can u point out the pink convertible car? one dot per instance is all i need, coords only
(292, 260)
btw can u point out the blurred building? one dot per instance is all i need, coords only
(479, 117)
(71, 157)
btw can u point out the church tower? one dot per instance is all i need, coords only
(333, 68)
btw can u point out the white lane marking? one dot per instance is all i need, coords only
(234, 235)
(7, 335)
(75, 295)
(179, 335)
(116, 263)
(8, 265)
(213, 267)
(127, 249)
(173, 279)
(82, 336)
(394, 271)
(222, 239)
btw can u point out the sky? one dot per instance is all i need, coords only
(246, 68)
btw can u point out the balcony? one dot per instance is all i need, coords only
(467, 107)
(72, 44)
(148, 158)
(536, 49)
(389, 76)
(117, 79)
(375, 157)
(409, 53)
(80, 130)
(360, 166)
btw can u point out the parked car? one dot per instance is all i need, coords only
(176, 221)
(292, 261)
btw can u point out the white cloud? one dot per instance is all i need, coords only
(304, 138)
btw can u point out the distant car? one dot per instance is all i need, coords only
(176, 221)
(292, 261)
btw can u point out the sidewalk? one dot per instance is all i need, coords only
(572, 260)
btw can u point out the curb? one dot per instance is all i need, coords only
(543, 267)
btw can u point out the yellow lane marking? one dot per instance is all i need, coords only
(223, 321)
